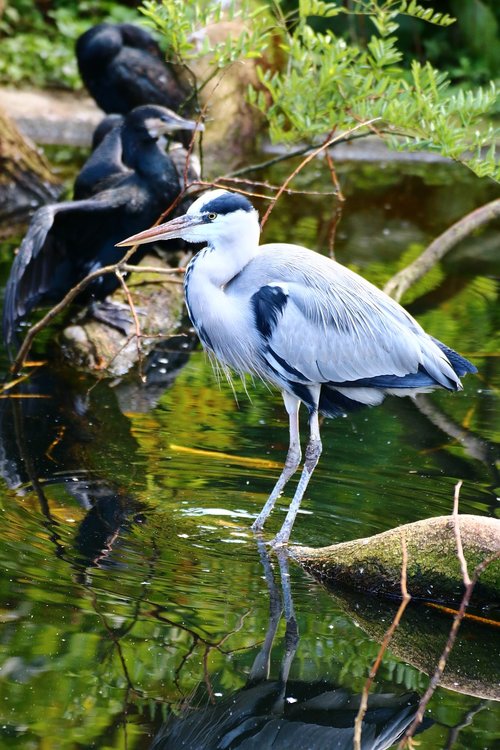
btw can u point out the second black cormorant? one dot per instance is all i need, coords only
(123, 67)
(131, 187)
(109, 160)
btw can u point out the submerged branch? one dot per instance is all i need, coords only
(330, 141)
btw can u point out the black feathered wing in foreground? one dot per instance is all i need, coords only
(249, 720)
(61, 246)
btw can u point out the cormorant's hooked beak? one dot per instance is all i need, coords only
(174, 229)
(169, 123)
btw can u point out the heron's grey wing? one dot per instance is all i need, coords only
(41, 250)
(335, 327)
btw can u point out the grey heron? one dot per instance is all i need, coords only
(321, 333)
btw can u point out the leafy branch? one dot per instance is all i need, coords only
(352, 82)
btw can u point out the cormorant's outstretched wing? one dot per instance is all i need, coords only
(43, 262)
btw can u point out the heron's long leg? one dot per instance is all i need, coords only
(292, 461)
(313, 452)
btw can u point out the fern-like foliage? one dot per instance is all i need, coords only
(325, 84)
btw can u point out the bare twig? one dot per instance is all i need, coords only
(329, 142)
(469, 584)
(137, 325)
(151, 269)
(358, 723)
(333, 174)
(292, 154)
(456, 522)
(60, 306)
(404, 279)
(266, 184)
(436, 677)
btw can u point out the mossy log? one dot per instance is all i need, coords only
(25, 177)
(374, 564)
(97, 347)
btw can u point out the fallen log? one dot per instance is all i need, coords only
(25, 177)
(373, 565)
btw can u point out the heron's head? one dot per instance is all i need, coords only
(218, 217)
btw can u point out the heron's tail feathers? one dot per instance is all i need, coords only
(460, 365)
(337, 399)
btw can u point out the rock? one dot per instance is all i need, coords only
(96, 347)
(231, 125)
(373, 565)
(52, 117)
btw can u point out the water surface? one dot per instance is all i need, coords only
(134, 599)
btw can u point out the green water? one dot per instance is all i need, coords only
(134, 601)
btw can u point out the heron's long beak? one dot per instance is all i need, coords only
(168, 231)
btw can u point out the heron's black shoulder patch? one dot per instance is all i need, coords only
(267, 305)
(227, 203)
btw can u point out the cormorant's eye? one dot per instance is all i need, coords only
(212, 216)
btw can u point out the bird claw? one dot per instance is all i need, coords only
(114, 314)
(278, 542)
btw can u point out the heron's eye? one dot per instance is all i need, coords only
(212, 216)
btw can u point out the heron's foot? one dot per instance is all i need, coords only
(280, 541)
(114, 314)
(258, 524)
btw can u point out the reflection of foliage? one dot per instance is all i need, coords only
(87, 656)
(144, 633)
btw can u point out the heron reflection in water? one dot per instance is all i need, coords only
(283, 713)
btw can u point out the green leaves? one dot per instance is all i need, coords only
(182, 24)
(318, 8)
(41, 52)
(425, 14)
(353, 84)
(327, 84)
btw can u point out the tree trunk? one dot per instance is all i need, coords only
(25, 177)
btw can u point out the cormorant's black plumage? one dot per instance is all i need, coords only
(122, 67)
(65, 241)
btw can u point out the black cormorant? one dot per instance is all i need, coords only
(66, 241)
(109, 160)
(123, 67)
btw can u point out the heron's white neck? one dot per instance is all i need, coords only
(218, 317)
(229, 252)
